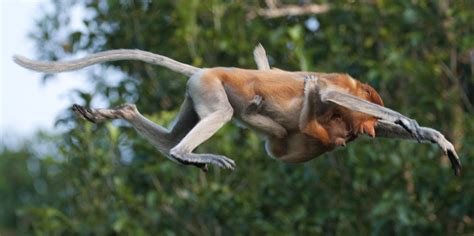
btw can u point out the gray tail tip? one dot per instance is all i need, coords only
(24, 62)
(20, 60)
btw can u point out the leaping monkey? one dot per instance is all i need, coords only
(301, 114)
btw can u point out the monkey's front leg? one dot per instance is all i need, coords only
(263, 123)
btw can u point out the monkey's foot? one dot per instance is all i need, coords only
(255, 105)
(127, 111)
(257, 100)
(340, 142)
(200, 160)
(201, 166)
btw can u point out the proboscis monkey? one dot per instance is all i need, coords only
(282, 105)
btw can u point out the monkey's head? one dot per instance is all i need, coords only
(364, 123)
(355, 87)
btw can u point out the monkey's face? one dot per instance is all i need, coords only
(363, 123)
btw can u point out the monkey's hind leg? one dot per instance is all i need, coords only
(101, 115)
(156, 134)
(162, 138)
(213, 107)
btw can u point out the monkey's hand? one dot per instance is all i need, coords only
(436, 137)
(388, 129)
(411, 126)
(255, 105)
(311, 86)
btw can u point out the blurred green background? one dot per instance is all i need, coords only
(105, 179)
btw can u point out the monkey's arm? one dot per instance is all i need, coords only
(357, 104)
(386, 129)
(311, 98)
(343, 99)
(394, 125)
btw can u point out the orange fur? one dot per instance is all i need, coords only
(278, 85)
(317, 131)
(332, 125)
(357, 122)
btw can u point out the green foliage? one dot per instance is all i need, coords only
(105, 179)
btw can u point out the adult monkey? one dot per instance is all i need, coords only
(271, 101)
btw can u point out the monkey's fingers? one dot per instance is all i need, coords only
(257, 100)
(200, 160)
(447, 147)
(411, 126)
(202, 166)
(449, 150)
(311, 82)
(390, 130)
(85, 113)
(455, 162)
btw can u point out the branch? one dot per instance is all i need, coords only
(289, 10)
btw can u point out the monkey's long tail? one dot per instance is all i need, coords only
(111, 55)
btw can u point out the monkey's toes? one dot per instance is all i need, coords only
(85, 113)
(126, 111)
(455, 162)
(200, 160)
(257, 100)
(340, 142)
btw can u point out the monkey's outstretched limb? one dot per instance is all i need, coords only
(356, 104)
(162, 138)
(214, 110)
(387, 129)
